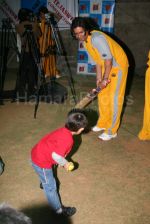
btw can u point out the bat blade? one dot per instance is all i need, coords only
(87, 99)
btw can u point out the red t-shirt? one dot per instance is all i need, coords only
(59, 141)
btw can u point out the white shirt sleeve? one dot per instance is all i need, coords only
(100, 42)
(59, 159)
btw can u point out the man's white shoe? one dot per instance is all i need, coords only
(107, 137)
(96, 129)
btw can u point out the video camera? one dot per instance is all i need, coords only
(28, 27)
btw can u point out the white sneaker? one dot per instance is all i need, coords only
(96, 129)
(107, 137)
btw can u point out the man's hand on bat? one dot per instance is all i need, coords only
(101, 84)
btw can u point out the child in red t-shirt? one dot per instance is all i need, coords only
(52, 149)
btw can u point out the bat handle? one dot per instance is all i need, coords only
(98, 89)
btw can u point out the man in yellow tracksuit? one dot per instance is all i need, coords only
(46, 41)
(111, 74)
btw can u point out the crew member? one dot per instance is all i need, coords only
(47, 45)
(29, 32)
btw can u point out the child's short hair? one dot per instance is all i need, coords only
(76, 119)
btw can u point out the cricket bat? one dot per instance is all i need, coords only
(89, 98)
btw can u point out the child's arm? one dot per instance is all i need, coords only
(60, 160)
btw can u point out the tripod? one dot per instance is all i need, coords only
(59, 50)
(34, 77)
(8, 40)
(53, 50)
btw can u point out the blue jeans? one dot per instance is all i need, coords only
(49, 185)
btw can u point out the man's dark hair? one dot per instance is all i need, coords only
(87, 23)
(9, 215)
(24, 14)
(43, 9)
(76, 119)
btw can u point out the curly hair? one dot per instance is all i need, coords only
(87, 23)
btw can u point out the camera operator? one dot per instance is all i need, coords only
(46, 42)
(28, 29)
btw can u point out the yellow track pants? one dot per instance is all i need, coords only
(145, 132)
(110, 100)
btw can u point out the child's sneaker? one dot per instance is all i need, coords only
(68, 211)
(41, 186)
(107, 137)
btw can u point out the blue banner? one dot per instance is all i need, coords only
(34, 5)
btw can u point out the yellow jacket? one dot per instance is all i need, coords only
(116, 51)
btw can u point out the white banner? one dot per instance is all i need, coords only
(65, 9)
(7, 10)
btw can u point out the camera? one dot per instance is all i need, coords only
(28, 27)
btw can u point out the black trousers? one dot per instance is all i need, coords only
(27, 80)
